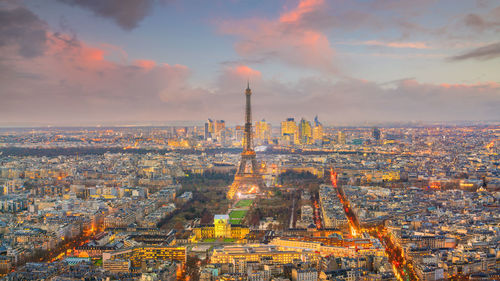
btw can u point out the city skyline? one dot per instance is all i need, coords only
(159, 62)
(286, 140)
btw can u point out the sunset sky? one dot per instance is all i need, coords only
(87, 62)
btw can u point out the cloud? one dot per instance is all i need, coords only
(352, 101)
(405, 100)
(146, 64)
(245, 72)
(304, 7)
(490, 85)
(403, 20)
(74, 83)
(285, 38)
(126, 13)
(69, 81)
(490, 51)
(410, 45)
(22, 30)
(298, 35)
(475, 21)
(484, 22)
(78, 83)
(388, 44)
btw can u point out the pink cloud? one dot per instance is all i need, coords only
(245, 72)
(72, 52)
(285, 38)
(233, 79)
(76, 80)
(69, 81)
(479, 85)
(410, 45)
(146, 64)
(304, 7)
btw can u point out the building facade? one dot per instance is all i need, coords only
(220, 229)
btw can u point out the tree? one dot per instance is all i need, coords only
(207, 217)
(179, 226)
(193, 267)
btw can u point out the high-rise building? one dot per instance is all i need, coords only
(215, 129)
(263, 132)
(305, 132)
(317, 133)
(239, 133)
(209, 129)
(220, 130)
(341, 137)
(220, 125)
(289, 131)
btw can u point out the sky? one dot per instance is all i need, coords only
(89, 62)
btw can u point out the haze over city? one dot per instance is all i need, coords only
(72, 62)
(250, 140)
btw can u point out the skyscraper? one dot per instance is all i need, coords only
(341, 137)
(305, 131)
(214, 129)
(239, 133)
(220, 130)
(220, 125)
(289, 132)
(317, 133)
(209, 129)
(262, 132)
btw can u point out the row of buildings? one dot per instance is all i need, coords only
(442, 233)
(291, 133)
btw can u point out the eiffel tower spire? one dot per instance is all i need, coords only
(248, 143)
(247, 178)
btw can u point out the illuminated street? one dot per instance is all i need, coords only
(402, 270)
(230, 140)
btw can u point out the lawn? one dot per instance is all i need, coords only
(237, 214)
(235, 221)
(244, 203)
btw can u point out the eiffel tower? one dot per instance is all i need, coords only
(247, 178)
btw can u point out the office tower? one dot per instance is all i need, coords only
(209, 129)
(263, 132)
(317, 133)
(305, 132)
(239, 133)
(220, 125)
(341, 137)
(220, 130)
(289, 131)
(215, 129)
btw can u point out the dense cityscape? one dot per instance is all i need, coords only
(233, 140)
(330, 203)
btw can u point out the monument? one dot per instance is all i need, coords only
(247, 179)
